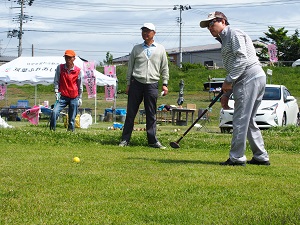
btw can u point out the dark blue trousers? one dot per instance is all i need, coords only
(137, 93)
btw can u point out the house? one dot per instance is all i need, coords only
(208, 55)
(6, 59)
(121, 60)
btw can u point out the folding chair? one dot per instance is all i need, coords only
(203, 120)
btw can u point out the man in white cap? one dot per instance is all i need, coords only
(148, 63)
(246, 80)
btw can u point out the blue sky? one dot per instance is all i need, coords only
(93, 28)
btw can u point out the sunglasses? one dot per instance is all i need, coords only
(211, 23)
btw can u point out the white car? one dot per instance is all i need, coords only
(296, 63)
(278, 108)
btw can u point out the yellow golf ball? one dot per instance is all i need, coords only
(76, 159)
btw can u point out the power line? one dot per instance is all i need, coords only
(89, 18)
(21, 18)
(76, 4)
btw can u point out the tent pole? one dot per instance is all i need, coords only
(35, 94)
(96, 106)
(115, 102)
(6, 95)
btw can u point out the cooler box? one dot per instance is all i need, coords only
(119, 111)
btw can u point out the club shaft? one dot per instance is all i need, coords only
(202, 114)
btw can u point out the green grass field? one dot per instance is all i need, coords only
(40, 183)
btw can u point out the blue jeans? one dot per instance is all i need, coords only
(72, 112)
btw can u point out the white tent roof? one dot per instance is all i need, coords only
(41, 70)
(102, 80)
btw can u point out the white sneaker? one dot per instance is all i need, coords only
(123, 143)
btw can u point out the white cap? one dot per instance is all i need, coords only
(150, 26)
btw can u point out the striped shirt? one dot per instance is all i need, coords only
(239, 55)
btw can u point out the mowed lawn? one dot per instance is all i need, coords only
(40, 183)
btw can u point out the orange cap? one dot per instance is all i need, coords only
(70, 53)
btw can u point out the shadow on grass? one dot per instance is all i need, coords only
(177, 161)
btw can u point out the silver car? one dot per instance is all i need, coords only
(278, 108)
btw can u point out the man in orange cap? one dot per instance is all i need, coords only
(68, 90)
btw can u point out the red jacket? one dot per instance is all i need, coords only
(68, 85)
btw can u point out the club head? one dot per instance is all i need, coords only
(174, 145)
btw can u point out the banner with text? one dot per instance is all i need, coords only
(2, 91)
(110, 90)
(272, 50)
(90, 79)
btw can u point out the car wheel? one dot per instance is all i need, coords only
(225, 130)
(284, 120)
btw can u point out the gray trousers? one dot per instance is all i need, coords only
(248, 94)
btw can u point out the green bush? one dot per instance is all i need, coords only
(187, 66)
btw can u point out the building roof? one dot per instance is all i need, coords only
(122, 59)
(7, 58)
(198, 48)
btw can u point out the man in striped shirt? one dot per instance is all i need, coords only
(246, 80)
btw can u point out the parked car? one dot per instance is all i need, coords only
(278, 108)
(296, 63)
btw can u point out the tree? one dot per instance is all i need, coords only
(288, 48)
(292, 47)
(109, 59)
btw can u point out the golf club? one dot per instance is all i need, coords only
(176, 144)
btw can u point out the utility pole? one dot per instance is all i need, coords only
(179, 20)
(22, 18)
(1, 47)
(21, 28)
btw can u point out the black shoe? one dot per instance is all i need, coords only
(229, 162)
(157, 145)
(256, 162)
